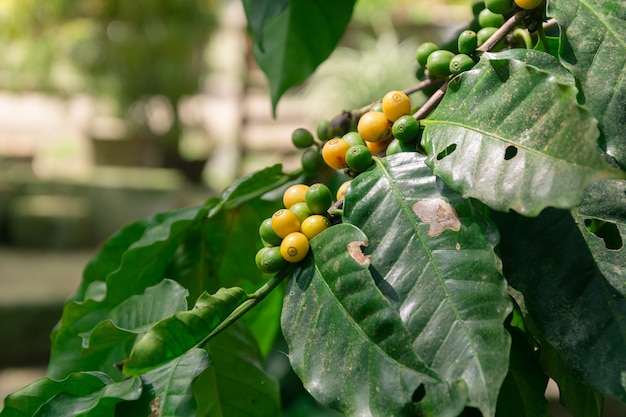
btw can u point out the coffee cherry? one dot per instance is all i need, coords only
(467, 42)
(319, 198)
(311, 159)
(377, 147)
(438, 63)
(358, 158)
(284, 222)
(528, 4)
(343, 189)
(499, 6)
(314, 225)
(323, 130)
(267, 234)
(334, 153)
(301, 210)
(269, 260)
(423, 52)
(395, 146)
(486, 33)
(353, 138)
(294, 194)
(374, 127)
(396, 104)
(405, 128)
(378, 106)
(487, 18)
(302, 138)
(460, 63)
(294, 247)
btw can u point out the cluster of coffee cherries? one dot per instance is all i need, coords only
(488, 17)
(387, 127)
(286, 234)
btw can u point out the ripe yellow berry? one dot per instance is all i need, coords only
(374, 126)
(528, 4)
(314, 225)
(343, 188)
(294, 194)
(395, 105)
(284, 222)
(294, 247)
(334, 153)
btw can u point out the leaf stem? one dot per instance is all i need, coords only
(253, 299)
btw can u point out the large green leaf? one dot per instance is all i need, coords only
(236, 384)
(514, 137)
(573, 290)
(172, 337)
(435, 252)
(593, 47)
(428, 276)
(88, 394)
(346, 339)
(171, 384)
(291, 40)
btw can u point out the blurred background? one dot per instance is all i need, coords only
(114, 110)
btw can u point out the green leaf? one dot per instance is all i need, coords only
(295, 38)
(259, 13)
(433, 251)
(136, 315)
(347, 342)
(175, 335)
(171, 384)
(523, 390)
(236, 385)
(573, 292)
(80, 394)
(133, 260)
(593, 47)
(503, 133)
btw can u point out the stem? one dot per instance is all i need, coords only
(253, 299)
(502, 31)
(431, 103)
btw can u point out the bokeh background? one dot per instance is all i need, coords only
(114, 110)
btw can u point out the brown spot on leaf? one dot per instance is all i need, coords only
(439, 214)
(155, 409)
(354, 249)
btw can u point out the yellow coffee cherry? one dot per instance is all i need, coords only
(374, 126)
(314, 225)
(343, 188)
(396, 104)
(334, 153)
(294, 194)
(294, 247)
(284, 222)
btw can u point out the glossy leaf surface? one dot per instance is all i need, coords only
(428, 272)
(514, 137)
(593, 47)
(291, 40)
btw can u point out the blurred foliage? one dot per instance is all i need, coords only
(121, 49)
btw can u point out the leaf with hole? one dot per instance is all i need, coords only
(511, 135)
(593, 48)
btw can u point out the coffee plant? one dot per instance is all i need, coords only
(445, 259)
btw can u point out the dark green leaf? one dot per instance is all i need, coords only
(175, 335)
(171, 384)
(236, 385)
(80, 394)
(141, 251)
(260, 13)
(593, 47)
(296, 40)
(503, 133)
(346, 339)
(573, 290)
(432, 254)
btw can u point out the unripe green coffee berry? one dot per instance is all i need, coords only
(486, 33)
(438, 63)
(423, 52)
(302, 138)
(353, 138)
(323, 130)
(269, 259)
(395, 146)
(467, 42)
(460, 63)
(312, 160)
(359, 158)
(267, 234)
(405, 129)
(499, 6)
(487, 18)
(319, 198)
